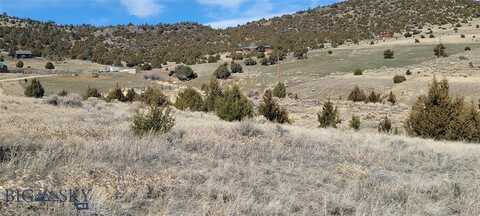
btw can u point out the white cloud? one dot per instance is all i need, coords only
(260, 9)
(240, 21)
(142, 8)
(222, 3)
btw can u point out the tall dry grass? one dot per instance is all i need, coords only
(209, 167)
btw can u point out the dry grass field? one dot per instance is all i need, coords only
(205, 166)
(210, 167)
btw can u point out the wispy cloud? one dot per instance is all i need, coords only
(223, 3)
(142, 8)
(259, 9)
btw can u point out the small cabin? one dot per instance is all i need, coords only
(23, 54)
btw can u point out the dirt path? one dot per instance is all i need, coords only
(29, 77)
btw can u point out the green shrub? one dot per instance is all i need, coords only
(392, 98)
(408, 73)
(3, 68)
(213, 94)
(234, 106)
(49, 66)
(355, 123)
(399, 79)
(330, 52)
(438, 116)
(236, 68)
(34, 89)
(301, 53)
(131, 95)
(116, 94)
(329, 116)
(154, 120)
(184, 73)
(358, 72)
(385, 125)
(357, 95)
(20, 64)
(271, 110)
(260, 55)
(92, 92)
(213, 58)
(189, 99)
(250, 62)
(439, 51)
(62, 93)
(467, 48)
(264, 61)
(388, 54)
(222, 72)
(374, 97)
(280, 90)
(154, 97)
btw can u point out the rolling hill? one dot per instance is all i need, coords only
(189, 42)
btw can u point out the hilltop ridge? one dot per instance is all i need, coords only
(189, 43)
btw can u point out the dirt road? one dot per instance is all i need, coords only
(29, 77)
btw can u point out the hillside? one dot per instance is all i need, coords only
(356, 20)
(189, 42)
(210, 167)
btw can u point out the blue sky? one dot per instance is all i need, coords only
(217, 13)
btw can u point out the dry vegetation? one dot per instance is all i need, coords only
(209, 167)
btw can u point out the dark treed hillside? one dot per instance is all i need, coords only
(189, 42)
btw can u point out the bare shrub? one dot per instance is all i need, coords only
(357, 95)
(248, 129)
(92, 92)
(385, 125)
(72, 100)
(374, 98)
(154, 97)
(392, 98)
(280, 90)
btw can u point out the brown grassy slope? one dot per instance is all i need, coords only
(209, 167)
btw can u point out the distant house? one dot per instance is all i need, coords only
(110, 69)
(3, 68)
(129, 70)
(327, 45)
(257, 48)
(22, 54)
(267, 49)
(385, 35)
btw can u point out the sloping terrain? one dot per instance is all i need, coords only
(189, 42)
(210, 167)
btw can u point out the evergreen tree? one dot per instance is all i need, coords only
(329, 116)
(34, 89)
(234, 106)
(271, 110)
